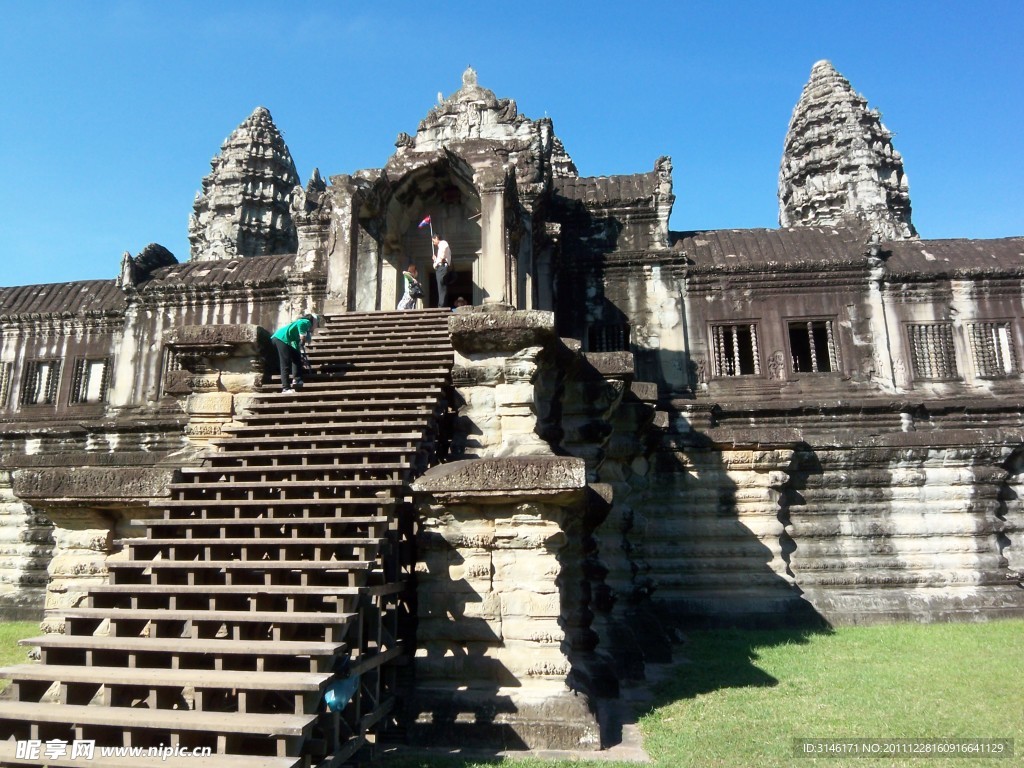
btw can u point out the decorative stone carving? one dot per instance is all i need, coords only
(213, 367)
(137, 270)
(839, 165)
(243, 208)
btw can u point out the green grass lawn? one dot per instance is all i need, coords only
(10, 652)
(739, 698)
(745, 696)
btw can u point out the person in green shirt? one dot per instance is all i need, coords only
(290, 342)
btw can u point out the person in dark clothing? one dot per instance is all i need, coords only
(442, 262)
(290, 342)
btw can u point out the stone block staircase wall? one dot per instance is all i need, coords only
(275, 561)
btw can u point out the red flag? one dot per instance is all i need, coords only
(424, 222)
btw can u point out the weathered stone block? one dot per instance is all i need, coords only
(517, 602)
(500, 479)
(209, 404)
(500, 331)
(513, 395)
(238, 383)
(85, 484)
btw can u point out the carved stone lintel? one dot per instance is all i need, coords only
(505, 481)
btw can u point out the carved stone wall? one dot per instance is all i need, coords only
(26, 546)
(502, 587)
(842, 526)
(496, 364)
(91, 508)
(897, 533)
(214, 371)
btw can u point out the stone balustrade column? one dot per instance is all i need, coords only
(498, 581)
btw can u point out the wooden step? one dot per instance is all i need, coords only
(343, 455)
(256, 542)
(394, 471)
(360, 378)
(318, 441)
(247, 590)
(383, 366)
(143, 676)
(395, 466)
(224, 617)
(342, 396)
(325, 426)
(282, 485)
(346, 347)
(419, 382)
(269, 507)
(8, 752)
(175, 721)
(338, 418)
(267, 522)
(208, 647)
(235, 565)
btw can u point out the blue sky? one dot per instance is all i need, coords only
(111, 111)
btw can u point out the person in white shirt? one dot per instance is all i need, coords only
(442, 263)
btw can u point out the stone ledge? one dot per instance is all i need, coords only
(91, 485)
(508, 480)
(217, 335)
(512, 718)
(612, 364)
(495, 331)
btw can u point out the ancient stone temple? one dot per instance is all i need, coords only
(839, 166)
(490, 520)
(243, 208)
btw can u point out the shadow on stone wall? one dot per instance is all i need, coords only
(1010, 516)
(711, 537)
(457, 696)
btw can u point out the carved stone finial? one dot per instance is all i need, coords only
(469, 79)
(126, 278)
(838, 164)
(137, 270)
(316, 184)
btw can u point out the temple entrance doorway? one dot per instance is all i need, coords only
(453, 206)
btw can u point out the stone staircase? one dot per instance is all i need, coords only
(277, 569)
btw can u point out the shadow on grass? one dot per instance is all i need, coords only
(714, 659)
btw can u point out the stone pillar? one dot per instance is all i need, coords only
(525, 267)
(340, 246)
(215, 369)
(497, 582)
(496, 362)
(83, 540)
(493, 258)
(91, 509)
(544, 266)
(26, 544)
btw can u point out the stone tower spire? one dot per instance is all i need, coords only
(243, 208)
(838, 163)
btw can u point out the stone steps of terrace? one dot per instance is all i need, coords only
(254, 603)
